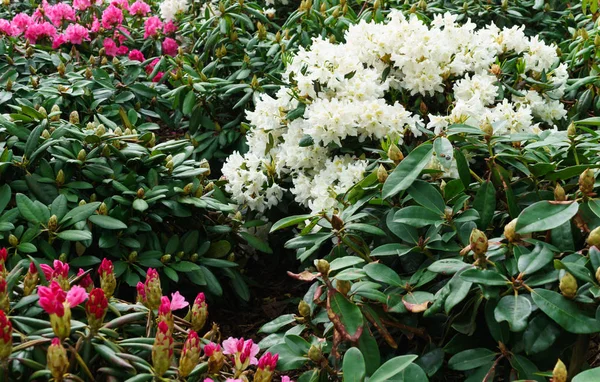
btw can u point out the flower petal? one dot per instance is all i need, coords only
(178, 301)
(76, 295)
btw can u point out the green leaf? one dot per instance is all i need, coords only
(73, 235)
(392, 368)
(382, 273)
(140, 205)
(408, 170)
(417, 216)
(107, 222)
(545, 215)
(353, 366)
(514, 309)
(427, 196)
(443, 151)
(540, 334)
(532, 262)
(278, 323)
(485, 204)
(84, 261)
(256, 242)
(485, 277)
(591, 375)
(367, 228)
(29, 210)
(564, 312)
(289, 221)
(79, 213)
(349, 314)
(471, 359)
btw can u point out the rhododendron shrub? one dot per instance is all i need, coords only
(398, 81)
(110, 336)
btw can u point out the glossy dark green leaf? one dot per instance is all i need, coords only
(545, 215)
(564, 312)
(392, 368)
(353, 366)
(408, 170)
(427, 196)
(471, 359)
(485, 204)
(514, 309)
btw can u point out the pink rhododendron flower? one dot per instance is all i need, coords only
(52, 298)
(76, 34)
(6, 27)
(121, 35)
(112, 17)
(39, 31)
(20, 22)
(110, 47)
(211, 348)
(169, 27)
(136, 55)
(59, 13)
(122, 50)
(60, 270)
(151, 26)
(86, 281)
(169, 46)
(139, 8)
(178, 301)
(82, 5)
(268, 361)
(285, 378)
(233, 380)
(208, 380)
(243, 352)
(95, 25)
(58, 41)
(158, 77)
(76, 295)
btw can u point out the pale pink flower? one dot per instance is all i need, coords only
(178, 301)
(243, 352)
(112, 17)
(208, 380)
(285, 378)
(151, 26)
(169, 46)
(76, 295)
(76, 34)
(233, 380)
(139, 8)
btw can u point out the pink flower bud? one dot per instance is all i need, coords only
(266, 366)
(3, 254)
(96, 308)
(190, 354)
(31, 280)
(216, 359)
(164, 313)
(162, 350)
(57, 360)
(5, 337)
(153, 289)
(4, 300)
(86, 281)
(108, 282)
(57, 303)
(141, 292)
(199, 312)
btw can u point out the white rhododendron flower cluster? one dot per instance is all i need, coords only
(347, 92)
(170, 8)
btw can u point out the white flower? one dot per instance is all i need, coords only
(170, 8)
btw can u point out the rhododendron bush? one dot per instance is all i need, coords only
(398, 81)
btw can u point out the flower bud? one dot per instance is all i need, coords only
(510, 233)
(165, 258)
(96, 308)
(322, 266)
(132, 257)
(216, 359)
(315, 354)
(61, 69)
(60, 178)
(190, 354)
(488, 129)
(12, 240)
(204, 164)
(559, 193)
(382, 174)
(5, 337)
(31, 280)
(199, 312)
(170, 165)
(74, 117)
(586, 182)
(81, 155)
(571, 131)
(265, 368)
(199, 191)
(395, 154)
(88, 73)
(304, 309)
(336, 222)
(559, 374)
(162, 350)
(153, 289)
(108, 282)
(45, 134)
(209, 187)
(568, 285)
(100, 130)
(4, 299)
(140, 193)
(103, 209)
(85, 280)
(61, 325)
(56, 111)
(598, 275)
(479, 242)
(52, 223)
(594, 237)
(57, 360)
(188, 189)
